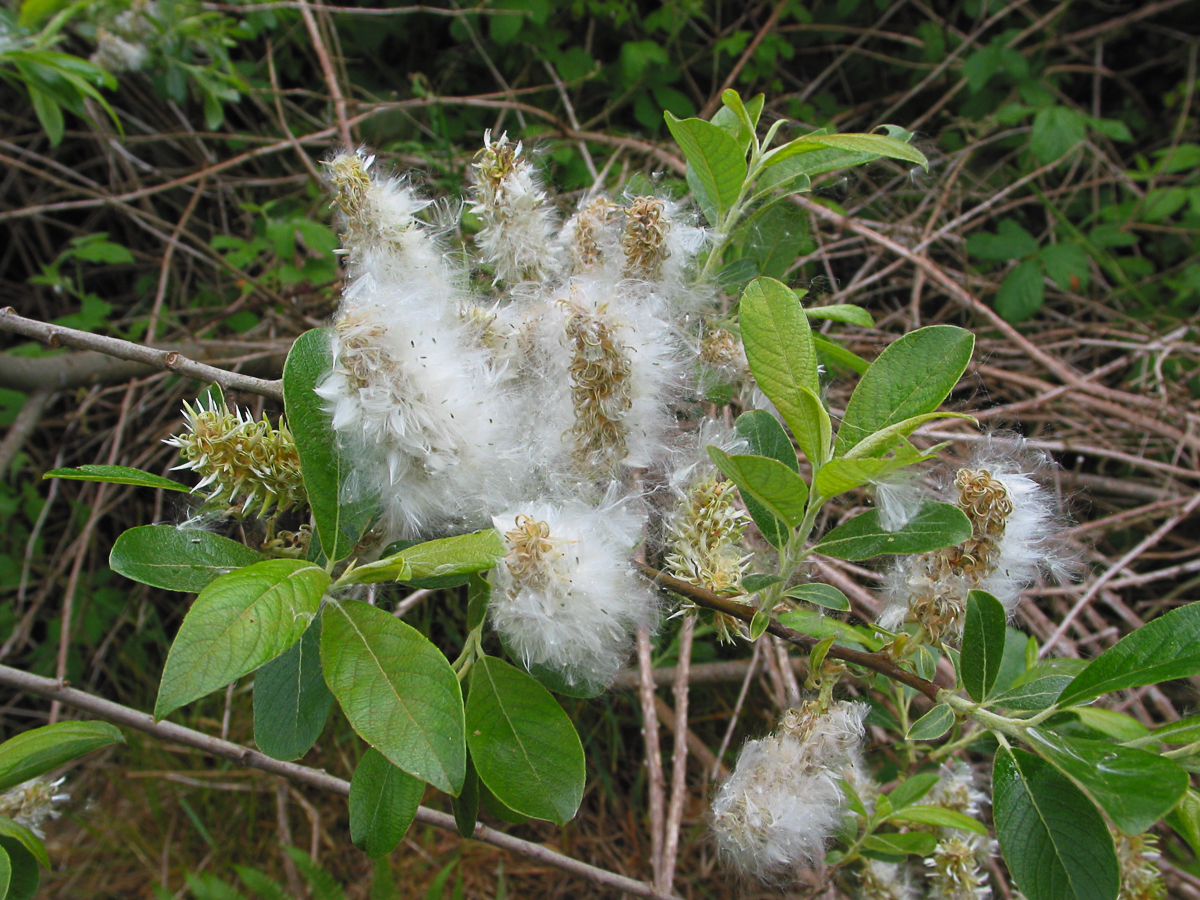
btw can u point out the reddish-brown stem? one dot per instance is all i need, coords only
(876, 662)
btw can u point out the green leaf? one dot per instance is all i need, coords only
(813, 623)
(5, 873)
(835, 355)
(383, 802)
(23, 880)
(118, 475)
(466, 805)
(937, 525)
(525, 748)
(766, 437)
(768, 481)
(1185, 731)
(820, 595)
(783, 359)
(715, 158)
(914, 843)
(397, 690)
(1135, 788)
(177, 559)
(1021, 293)
(237, 623)
(1185, 819)
(932, 725)
(40, 750)
(887, 438)
(454, 557)
(1116, 725)
(1035, 694)
(1057, 130)
(340, 524)
(909, 791)
(840, 475)
(939, 816)
(752, 584)
(876, 145)
(774, 238)
(1056, 844)
(1162, 650)
(1010, 241)
(910, 378)
(984, 633)
(841, 312)
(26, 838)
(291, 700)
(1067, 265)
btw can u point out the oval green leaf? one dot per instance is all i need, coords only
(238, 622)
(766, 437)
(1134, 787)
(984, 633)
(768, 481)
(525, 748)
(23, 881)
(397, 690)
(26, 838)
(939, 816)
(177, 559)
(1167, 648)
(783, 359)
(38, 751)
(825, 595)
(466, 805)
(322, 464)
(1055, 842)
(719, 164)
(932, 725)
(910, 378)
(291, 699)
(383, 803)
(118, 475)
(937, 525)
(5, 873)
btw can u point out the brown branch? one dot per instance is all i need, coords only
(876, 662)
(151, 357)
(178, 734)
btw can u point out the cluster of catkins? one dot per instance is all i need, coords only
(1016, 535)
(534, 404)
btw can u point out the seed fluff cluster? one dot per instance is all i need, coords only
(783, 801)
(1015, 524)
(524, 381)
(33, 802)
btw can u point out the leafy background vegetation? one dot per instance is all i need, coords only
(180, 204)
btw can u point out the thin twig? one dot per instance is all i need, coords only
(57, 336)
(678, 758)
(654, 766)
(178, 734)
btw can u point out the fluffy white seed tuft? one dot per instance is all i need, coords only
(782, 803)
(566, 596)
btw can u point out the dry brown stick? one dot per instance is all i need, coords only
(57, 336)
(178, 734)
(1145, 544)
(164, 270)
(678, 758)
(697, 749)
(1110, 400)
(654, 768)
(714, 102)
(719, 767)
(876, 662)
(331, 81)
(22, 427)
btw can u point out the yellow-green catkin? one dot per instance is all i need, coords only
(249, 464)
(704, 542)
(1141, 878)
(645, 238)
